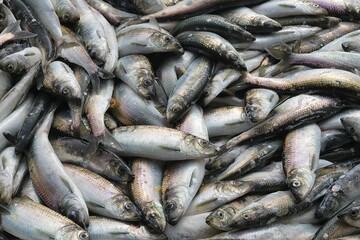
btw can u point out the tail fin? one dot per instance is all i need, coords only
(95, 78)
(283, 56)
(12, 28)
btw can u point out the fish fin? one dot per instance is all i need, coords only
(138, 44)
(103, 74)
(155, 23)
(278, 53)
(283, 64)
(179, 72)
(4, 210)
(67, 184)
(297, 46)
(95, 82)
(11, 138)
(94, 205)
(284, 5)
(263, 69)
(92, 146)
(110, 143)
(176, 149)
(228, 92)
(24, 35)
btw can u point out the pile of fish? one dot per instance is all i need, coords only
(179, 119)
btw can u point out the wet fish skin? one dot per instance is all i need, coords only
(334, 122)
(302, 106)
(148, 6)
(21, 61)
(66, 11)
(9, 164)
(45, 13)
(350, 214)
(102, 162)
(146, 192)
(213, 23)
(6, 17)
(323, 22)
(350, 46)
(111, 229)
(213, 46)
(352, 127)
(130, 108)
(180, 145)
(301, 159)
(101, 196)
(57, 191)
(188, 88)
(28, 191)
(342, 192)
(251, 20)
(333, 139)
(147, 40)
(259, 103)
(136, 71)
(43, 223)
(60, 79)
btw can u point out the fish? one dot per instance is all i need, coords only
(103, 162)
(8, 166)
(57, 191)
(101, 196)
(334, 122)
(351, 127)
(283, 8)
(148, 6)
(213, 46)
(342, 192)
(66, 11)
(188, 88)
(6, 17)
(350, 46)
(140, 141)
(28, 191)
(333, 139)
(251, 20)
(259, 103)
(317, 21)
(21, 61)
(137, 72)
(10, 33)
(213, 23)
(130, 108)
(301, 112)
(145, 190)
(78, 55)
(44, 224)
(301, 159)
(112, 229)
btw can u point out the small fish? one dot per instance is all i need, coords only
(66, 11)
(21, 61)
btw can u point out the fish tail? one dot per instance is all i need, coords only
(95, 78)
(284, 56)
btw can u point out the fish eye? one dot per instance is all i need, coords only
(246, 216)
(83, 235)
(206, 92)
(330, 204)
(220, 214)
(353, 213)
(169, 205)
(66, 17)
(233, 56)
(296, 184)
(10, 67)
(167, 39)
(128, 206)
(203, 142)
(65, 91)
(176, 109)
(147, 82)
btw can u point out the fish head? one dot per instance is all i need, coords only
(176, 108)
(67, 12)
(72, 232)
(14, 63)
(221, 218)
(75, 209)
(145, 82)
(353, 7)
(3, 17)
(351, 126)
(254, 111)
(120, 169)
(123, 208)
(300, 182)
(312, 7)
(232, 56)
(330, 203)
(66, 87)
(198, 146)
(271, 25)
(165, 42)
(176, 203)
(351, 216)
(154, 217)
(248, 216)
